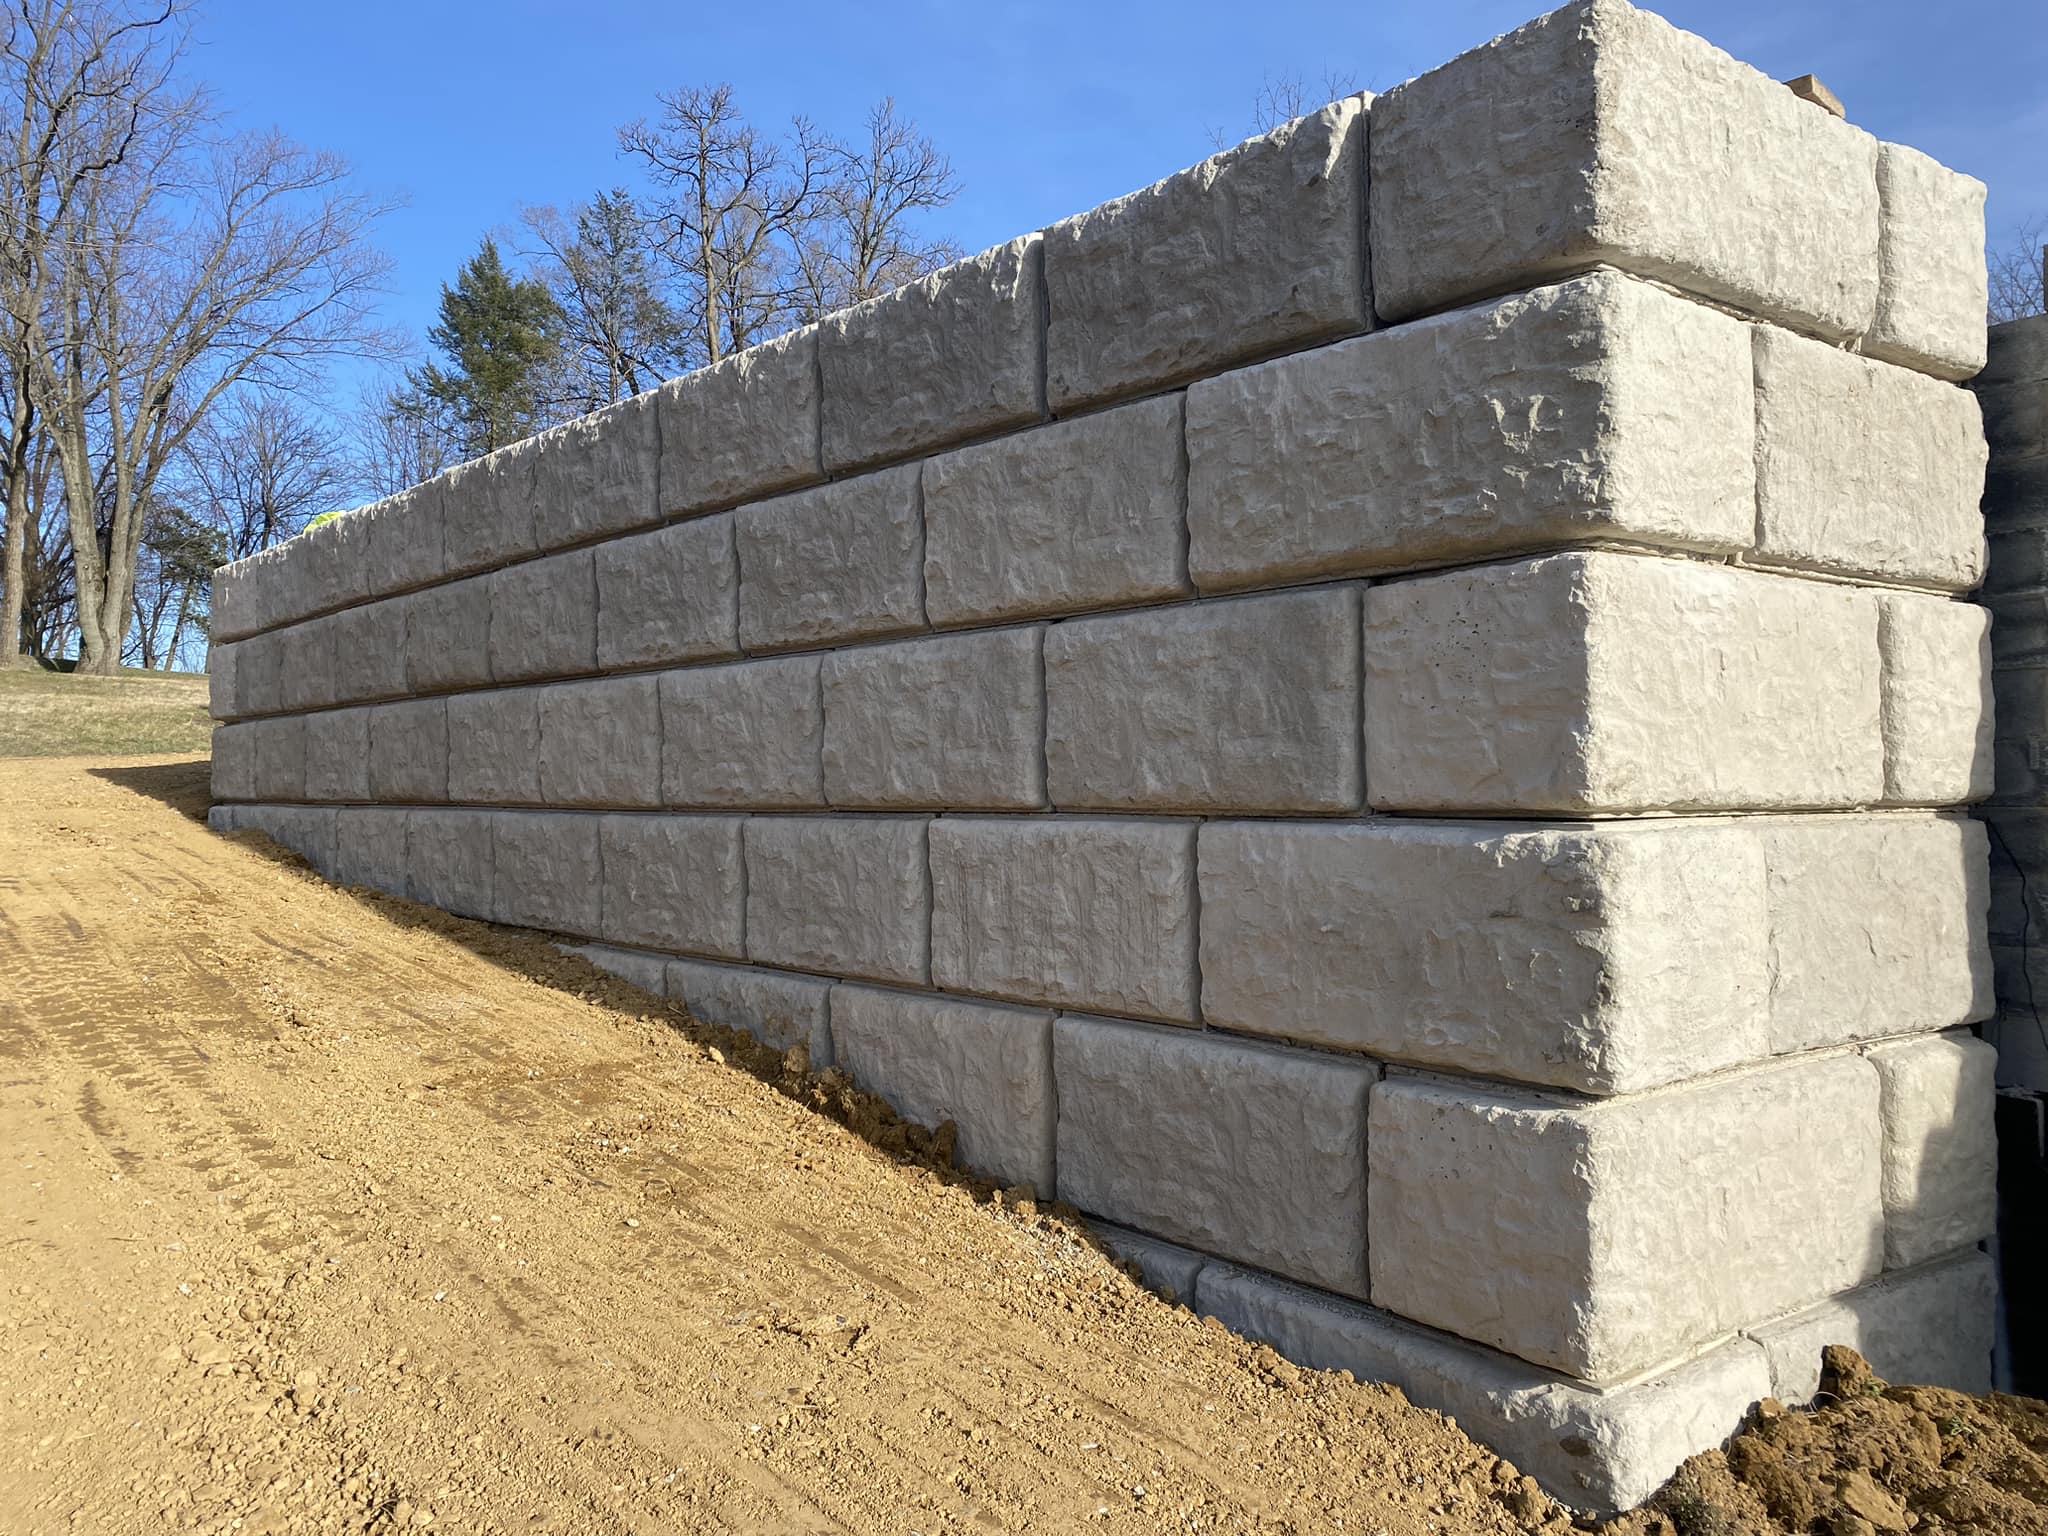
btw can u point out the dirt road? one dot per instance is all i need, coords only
(319, 1211)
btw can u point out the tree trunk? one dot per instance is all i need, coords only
(14, 562)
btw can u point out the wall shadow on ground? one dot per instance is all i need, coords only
(186, 787)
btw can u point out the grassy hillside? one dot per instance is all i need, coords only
(54, 714)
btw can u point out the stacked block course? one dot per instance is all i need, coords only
(1380, 716)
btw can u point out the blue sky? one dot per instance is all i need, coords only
(470, 110)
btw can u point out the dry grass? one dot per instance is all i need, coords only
(56, 714)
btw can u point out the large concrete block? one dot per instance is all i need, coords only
(2019, 627)
(1248, 704)
(635, 967)
(409, 752)
(221, 703)
(668, 596)
(1601, 408)
(308, 831)
(1877, 926)
(2019, 751)
(1930, 1326)
(596, 475)
(1940, 1149)
(1254, 250)
(674, 882)
(401, 540)
(487, 511)
(338, 755)
(1865, 469)
(984, 1066)
(281, 758)
(234, 761)
(774, 1007)
(448, 636)
(744, 427)
(2014, 351)
(1602, 133)
(236, 609)
(259, 674)
(1605, 682)
(494, 747)
(848, 895)
(600, 742)
(1163, 1267)
(1605, 1240)
(1606, 958)
(2015, 418)
(448, 860)
(1243, 1150)
(1078, 913)
(369, 651)
(1932, 286)
(1600, 1450)
(1937, 707)
(306, 669)
(547, 871)
(953, 721)
(952, 356)
(2018, 841)
(744, 735)
(369, 848)
(840, 562)
(1076, 515)
(326, 572)
(544, 618)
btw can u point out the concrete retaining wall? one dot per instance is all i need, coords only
(1381, 718)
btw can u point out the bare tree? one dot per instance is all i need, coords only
(1284, 97)
(2019, 273)
(400, 438)
(863, 238)
(619, 334)
(258, 468)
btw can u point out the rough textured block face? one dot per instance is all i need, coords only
(1937, 711)
(1076, 515)
(259, 674)
(409, 754)
(1601, 133)
(1604, 958)
(675, 882)
(1877, 926)
(744, 427)
(985, 1067)
(1250, 704)
(401, 540)
(546, 871)
(1077, 913)
(1671, 1218)
(1611, 682)
(955, 721)
(1256, 249)
(369, 651)
(596, 475)
(448, 860)
(850, 895)
(1864, 468)
(487, 511)
(1599, 408)
(1940, 1150)
(1931, 1327)
(1596, 1450)
(234, 762)
(744, 735)
(1243, 1150)
(280, 759)
(2015, 351)
(776, 1009)
(1931, 280)
(2017, 907)
(220, 681)
(323, 576)
(448, 636)
(600, 742)
(949, 357)
(668, 596)
(2020, 749)
(234, 612)
(306, 675)
(338, 755)
(2015, 427)
(494, 747)
(303, 830)
(839, 562)
(544, 618)
(369, 848)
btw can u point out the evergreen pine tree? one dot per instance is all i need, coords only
(499, 335)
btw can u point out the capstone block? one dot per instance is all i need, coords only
(951, 721)
(600, 742)
(1605, 1240)
(1094, 914)
(547, 871)
(338, 755)
(848, 895)
(1600, 408)
(448, 860)
(675, 882)
(323, 574)
(952, 356)
(1243, 1150)
(494, 747)
(1607, 682)
(1165, 1268)
(409, 753)
(1937, 708)
(1605, 958)
(1940, 1149)
(751, 734)
(369, 651)
(668, 596)
(1932, 287)
(281, 758)
(448, 636)
(986, 1067)
(839, 562)
(487, 511)
(1602, 133)
(1075, 515)
(236, 607)
(234, 761)
(596, 475)
(744, 427)
(1246, 704)
(402, 540)
(544, 618)
(1865, 469)
(1256, 249)
(369, 848)
(1930, 1326)
(774, 1007)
